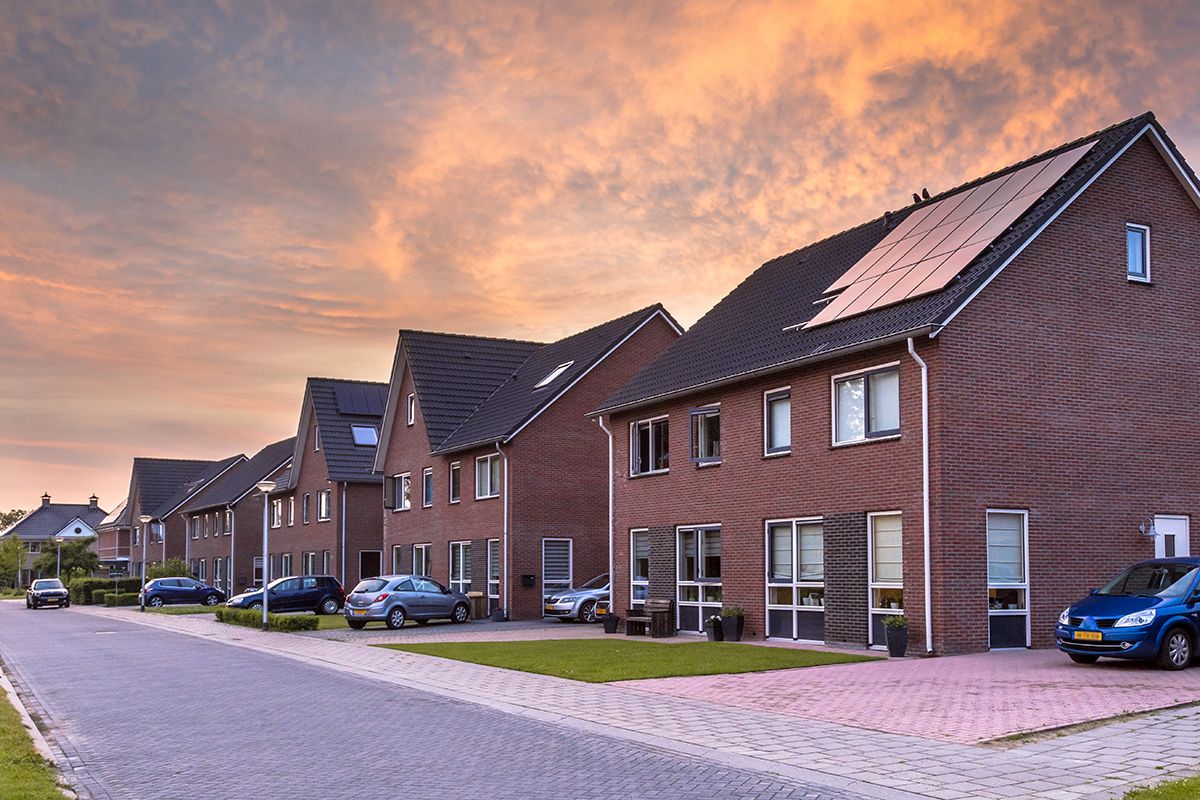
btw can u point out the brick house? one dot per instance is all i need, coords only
(966, 394)
(466, 417)
(113, 536)
(158, 487)
(224, 521)
(325, 515)
(39, 528)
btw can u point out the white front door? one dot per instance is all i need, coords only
(1172, 538)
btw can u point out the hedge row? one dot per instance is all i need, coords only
(83, 590)
(121, 599)
(98, 596)
(275, 622)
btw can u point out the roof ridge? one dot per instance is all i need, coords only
(479, 337)
(345, 380)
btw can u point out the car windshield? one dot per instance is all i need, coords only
(598, 582)
(370, 585)
(1152, 580)
(52, 583)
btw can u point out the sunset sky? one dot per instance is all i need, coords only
(203, 203)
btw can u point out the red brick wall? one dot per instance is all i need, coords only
(1069, 391)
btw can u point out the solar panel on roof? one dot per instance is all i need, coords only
(938, 241)
(360, 400)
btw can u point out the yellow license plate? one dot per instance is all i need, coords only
(1089, 636)
(549, 608)
(600, 612)
(358, 612)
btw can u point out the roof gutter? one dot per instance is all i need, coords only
(825, 355)
(928, 587)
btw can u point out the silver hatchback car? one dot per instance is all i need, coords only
(395, 599)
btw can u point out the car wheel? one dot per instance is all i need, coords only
(255, 606)
(328, 606)
(395, 618)
(1176, 652)
(587, 612)
(356, 624)
(155, 602)
(67, 604)
(212, 600)
(28, 604)
(1083, 658)
(461, 613)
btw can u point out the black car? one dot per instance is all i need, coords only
(321, 594)
(47, 592)
(180, 591)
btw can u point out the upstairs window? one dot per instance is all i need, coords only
(487, 477)
(705, 434)
(402, 492)
(1137, 252)
(365, 435)
(276, 512)
(324, 510)
(291, 511)
(777, 422)
(866, 405)
(304, 509)
(554, 374)
(229, 522)
(427, 487)
(412, 409)
(649, 446)
(455, 482)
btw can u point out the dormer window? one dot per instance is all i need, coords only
(412, 409)
(365, 435)
(554, 374)
(1137, 252)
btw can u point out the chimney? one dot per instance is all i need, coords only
(46, 499)
(93, 502)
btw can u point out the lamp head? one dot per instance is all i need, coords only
(266, 487)
(145, 519)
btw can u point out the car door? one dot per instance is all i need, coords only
(409, 597)
(168, 590)
(285, 596)
(190, 590)
(309, 595)
(436, 599)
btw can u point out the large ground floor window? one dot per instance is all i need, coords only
(698, 581)
(796, 579)
(310, 563)
(639, 567)
(556, 566)
(1008, 578)
(460, 567)
(421, 553)
(885, 557)
(258, 571)
(494, 567)
(285, 565)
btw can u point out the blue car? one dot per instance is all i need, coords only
(1151, 611)
(173, 591)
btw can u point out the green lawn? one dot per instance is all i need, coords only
(1188, 789)
(604, 660)
(334, 622)
(23, 773)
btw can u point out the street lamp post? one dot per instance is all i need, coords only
(266, 487)
(58, 540)
(145, 520)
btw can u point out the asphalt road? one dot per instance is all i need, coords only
(144, 714)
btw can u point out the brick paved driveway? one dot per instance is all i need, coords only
(960, 699)
(143, 713)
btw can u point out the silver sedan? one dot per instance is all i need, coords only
(395, 599)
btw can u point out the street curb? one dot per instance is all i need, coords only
(35, 734)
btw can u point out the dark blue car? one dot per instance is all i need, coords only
(1151, 611)
(177, 591)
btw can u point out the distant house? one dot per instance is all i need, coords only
(325, 514)
(224, 521)
(112, 539)
(495, 480)
(39, 528)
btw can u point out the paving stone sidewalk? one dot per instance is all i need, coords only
(1099, 763)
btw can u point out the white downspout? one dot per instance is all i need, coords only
(611, 519)
(925, 491)
(232, 542)
(504, 533)
(343, 515)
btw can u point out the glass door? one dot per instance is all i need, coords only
(698, 582)
(460, 567)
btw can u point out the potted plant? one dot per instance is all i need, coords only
(896, 633)
(712, 627)
(732, 622)
(611, 620)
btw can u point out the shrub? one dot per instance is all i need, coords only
(896, 621)
(121, 599)
(171, 568)
(98, 596)
(732, 611)
(276, 622)
(83, 589)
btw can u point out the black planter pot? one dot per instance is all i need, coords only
(716, 633)
(897, 641)
(499, 615)
(611, 621)
(732, 628)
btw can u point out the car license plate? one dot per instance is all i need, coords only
(1089, 636)
(358, 612)
(600, 612)
(549, 607)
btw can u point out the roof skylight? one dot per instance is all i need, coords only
(365, 435)
(557, 371)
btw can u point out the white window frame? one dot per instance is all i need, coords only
(495, 559)
(797, 585)
(694, 424)
(834, 380)
(397, 549)
(704, 606)
(554, 373)
(570, 563)
(426, 550)
(327, 495)
(324, 562)
(633, 448)
(427, 487)
(229, 522)
(412, 409)
(1145, 231)
(201, 571)
(769, 396)
(465, 576)
(309, 562)
(291, 513)
(634, 583)
(401, 500)
(276, 512)
(285, 565)
(219, 573)
(316, 439)
(873, 584)
(455, 471)
(256, 571)
(304, 509)
(1024, 585)
(495, 490)
(195, 525)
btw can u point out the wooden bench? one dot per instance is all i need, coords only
(658, 615)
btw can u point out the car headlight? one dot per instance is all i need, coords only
(1065, 617)
(1136, 619)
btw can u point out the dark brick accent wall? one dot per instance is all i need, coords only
(479, 570)
(662, 565)
(846, 579)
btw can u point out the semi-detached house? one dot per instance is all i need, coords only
(969, 411)
(495, 478)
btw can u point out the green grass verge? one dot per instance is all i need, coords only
(284, 623)
(1188, 789)
(8, 594)
(601, 661)
(178, 610)
(23, 773)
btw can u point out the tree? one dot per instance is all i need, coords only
(171, 568)
(10, 518)
(77, 557)
(12, 559)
